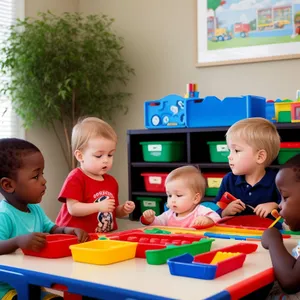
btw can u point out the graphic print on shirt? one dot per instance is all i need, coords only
(105, 219)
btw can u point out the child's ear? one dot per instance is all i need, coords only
(261, 156)
(78, 155)
(7, 185)
(197, 198)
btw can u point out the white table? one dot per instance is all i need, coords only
(135, 279)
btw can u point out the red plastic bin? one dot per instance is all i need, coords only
(57, 246)
(155, 182)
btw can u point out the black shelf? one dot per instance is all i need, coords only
(196, 152)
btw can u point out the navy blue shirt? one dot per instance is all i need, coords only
(262, 192)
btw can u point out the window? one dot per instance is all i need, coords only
(10, 125)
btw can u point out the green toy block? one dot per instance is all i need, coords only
(156, 231)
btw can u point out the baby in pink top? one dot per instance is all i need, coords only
(185, 187)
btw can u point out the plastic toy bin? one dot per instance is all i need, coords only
(57, 246)
(219, 151)
(103, 252)
(163, 151)
(211, 111)
(154, 182)
(150, 203)
(287, 151)
(212, 264)
(214, 181)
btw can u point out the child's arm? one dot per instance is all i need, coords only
(286, 267)
(205, 216)
(81, 234)
(79, 209)
(149, 218)
(125, 209)
(262, 210)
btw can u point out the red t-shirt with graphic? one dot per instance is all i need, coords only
(78, 186)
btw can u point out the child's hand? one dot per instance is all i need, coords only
(128, 207)
(107, 205)
(81, 234)
(233, 208)
(149, 215)
(202, 221)
(264, 209)
(270, 235)
(34, 241)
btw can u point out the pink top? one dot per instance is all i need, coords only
(169, 218)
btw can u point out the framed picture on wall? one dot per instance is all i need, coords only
(243, 31)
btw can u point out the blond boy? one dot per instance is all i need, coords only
(254, 144)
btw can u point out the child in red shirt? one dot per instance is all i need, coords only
(89, 194)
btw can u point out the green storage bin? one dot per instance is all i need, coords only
(211, 192)
(219, 151)
(285, 154)
(150, 203)
(163, 151)
(284, 117)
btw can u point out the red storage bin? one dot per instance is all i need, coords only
(155, 182)
(57, 246)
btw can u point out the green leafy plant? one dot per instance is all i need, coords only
(64, 67)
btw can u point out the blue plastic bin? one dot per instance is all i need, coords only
(168, 112)
(211, 111)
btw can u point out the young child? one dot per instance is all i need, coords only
(286, 266)
(89, 194)
(23, 222)
(253, 144)
(185, 187)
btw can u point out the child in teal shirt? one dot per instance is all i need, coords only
(23, 222)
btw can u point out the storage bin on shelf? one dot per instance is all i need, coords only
(270, 111)
(150, 203)
(214, 181)
(154, 182)
(211, 111)
(283, 111)
(287, 151)
(167, 112)
(219, 151)
(163, 151)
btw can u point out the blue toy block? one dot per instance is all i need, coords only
(211, 111)
(168, 112)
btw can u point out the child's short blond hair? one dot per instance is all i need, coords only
(88, 128)
(192, 176)
(258, 133)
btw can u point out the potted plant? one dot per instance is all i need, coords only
(64, 67)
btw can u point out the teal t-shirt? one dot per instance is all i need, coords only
(14, 222)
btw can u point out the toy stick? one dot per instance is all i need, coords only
(276, 215)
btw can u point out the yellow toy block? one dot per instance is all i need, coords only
(220, 256)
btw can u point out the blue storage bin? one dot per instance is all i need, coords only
(270, 111)
(211, 111)
(168, 112)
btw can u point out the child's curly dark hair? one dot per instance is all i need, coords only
(293, 163)
(11, 152)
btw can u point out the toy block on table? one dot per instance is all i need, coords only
(57, 246)
(202, 267)
(103, 252)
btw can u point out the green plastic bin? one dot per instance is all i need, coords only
(150, 203)
(163, 151)
(287, 151)
(211, 192)
(284, 117)
(219, 151)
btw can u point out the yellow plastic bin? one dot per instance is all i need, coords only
(103, 252)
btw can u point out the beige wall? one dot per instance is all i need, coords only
(160, 45)
(55, 166)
